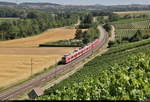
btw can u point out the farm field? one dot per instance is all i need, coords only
(15, 63)
(133, 12)
(120, 33)
(136, 25)
(34, 41)
(15, 55)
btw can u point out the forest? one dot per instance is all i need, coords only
(32, 22)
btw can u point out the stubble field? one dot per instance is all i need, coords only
(34, 41)
(133, 12)
(16, 55)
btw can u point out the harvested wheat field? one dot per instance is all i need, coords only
(15, 63)
(15, 55)
(34, 41)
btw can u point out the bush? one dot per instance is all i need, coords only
(111, 43)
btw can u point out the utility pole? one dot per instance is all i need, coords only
(55, 66)
(31, 66)
(2, 35)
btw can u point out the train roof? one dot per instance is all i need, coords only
(71, 52)
(76, 50)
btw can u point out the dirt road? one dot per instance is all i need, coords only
(113, 33)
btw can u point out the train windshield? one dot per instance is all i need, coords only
(63, 58)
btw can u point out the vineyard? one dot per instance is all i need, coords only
(128, 33)
(128, 46)
(95, 74)
(135, 25)
(130, 20)
(122, 82)
(129, 29)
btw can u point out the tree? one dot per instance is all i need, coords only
(127, 16)
(113, 17)
(107, 27)
(88, 19)
(32, 15)
(34, 23)
(5, 28)
(78, 34)
(137, 36)
(111, 43)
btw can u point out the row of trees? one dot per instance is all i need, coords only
(108, 28)
(89, 35)
(9, 12)
(35, 23)
(109, 17)
(86, 21)
(127, 16)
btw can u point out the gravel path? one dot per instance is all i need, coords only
(113, 33)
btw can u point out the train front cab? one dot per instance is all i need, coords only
(65, 59)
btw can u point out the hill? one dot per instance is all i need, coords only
(7, 4)
(39, 4)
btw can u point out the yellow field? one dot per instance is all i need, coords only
(131, 12)
(34, 41)
(17, 67)
(15, 61)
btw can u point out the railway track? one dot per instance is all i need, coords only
(13, 92)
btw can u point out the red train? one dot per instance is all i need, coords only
(76, 53)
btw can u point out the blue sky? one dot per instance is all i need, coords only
(87, 2)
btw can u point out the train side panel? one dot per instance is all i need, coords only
(80, 52)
